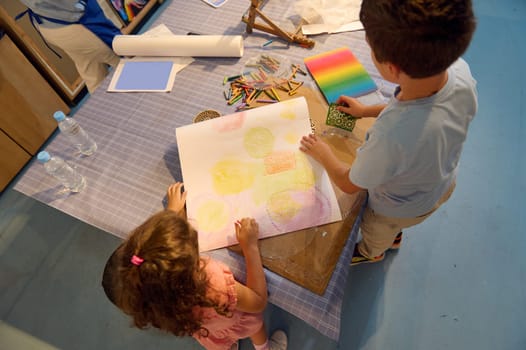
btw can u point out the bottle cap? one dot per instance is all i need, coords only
(43, 157)
(59, 116)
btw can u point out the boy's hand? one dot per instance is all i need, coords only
(247, 233)
(176, 198)
(351, 106)
(315, 147)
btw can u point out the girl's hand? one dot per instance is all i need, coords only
(176, 198)
(247, 233)
(351, 106)
(251, 297)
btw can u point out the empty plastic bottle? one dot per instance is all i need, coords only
(75, 133)
(59, 169)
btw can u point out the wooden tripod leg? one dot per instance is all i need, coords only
(252, 15)
(280, 32)
(271, 27)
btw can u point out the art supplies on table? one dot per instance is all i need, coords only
(314, 29)
(215, 3)
(256, 19)
(267, 67)
(338, 72)
(333, 16)
(128, 9)
(179, 45)
(261, 80)
(143, 75)
(339, 119)
(207, 114)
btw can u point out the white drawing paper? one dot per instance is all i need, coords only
(248, 164)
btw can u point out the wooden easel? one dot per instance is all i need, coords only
(271, 27)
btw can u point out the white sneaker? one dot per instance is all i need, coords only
(278, 341)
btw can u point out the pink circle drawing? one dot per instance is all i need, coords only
(296, 209)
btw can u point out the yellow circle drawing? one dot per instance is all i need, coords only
(292, 138)
(301, 177)
(288, 114)
(258, 142)
(282, 207)
(212, 216)
(231, 176)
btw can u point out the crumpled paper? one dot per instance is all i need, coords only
(330, 16)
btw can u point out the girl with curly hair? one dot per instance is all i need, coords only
(159, 279)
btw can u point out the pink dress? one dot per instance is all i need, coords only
(223, 330)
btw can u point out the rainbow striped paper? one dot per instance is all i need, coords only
(338, 72)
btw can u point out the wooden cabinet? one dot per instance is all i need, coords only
(60, 72)
(35, 82)
(27, 104)
(12, 159)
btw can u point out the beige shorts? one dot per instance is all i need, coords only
(379, 231)
(92, 57)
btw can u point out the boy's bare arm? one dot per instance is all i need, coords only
(338, 171)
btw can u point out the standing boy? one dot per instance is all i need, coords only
(408, 161)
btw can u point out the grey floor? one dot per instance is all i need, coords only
(458, 282)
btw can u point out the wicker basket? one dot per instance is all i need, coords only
(206, 115)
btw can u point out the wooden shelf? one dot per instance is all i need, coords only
(28, 103)
(59, 72)
(134, 24)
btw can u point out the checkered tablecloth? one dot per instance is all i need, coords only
(137, 155)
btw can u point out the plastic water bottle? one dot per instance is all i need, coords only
(58, 168)
(75, 133)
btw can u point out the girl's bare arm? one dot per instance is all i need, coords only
(251, 297)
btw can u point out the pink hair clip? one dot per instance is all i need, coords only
(135, 260)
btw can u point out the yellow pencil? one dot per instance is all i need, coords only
(275, 93)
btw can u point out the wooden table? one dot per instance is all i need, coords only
(137, 157)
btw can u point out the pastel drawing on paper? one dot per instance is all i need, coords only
(249, 164)
(338, 72)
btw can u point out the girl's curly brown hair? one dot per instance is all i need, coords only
(164, 290)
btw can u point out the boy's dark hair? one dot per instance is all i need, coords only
(421, 37)
(163, 289)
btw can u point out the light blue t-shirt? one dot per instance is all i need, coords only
(410, 155)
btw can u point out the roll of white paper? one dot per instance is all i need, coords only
(179, 45)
